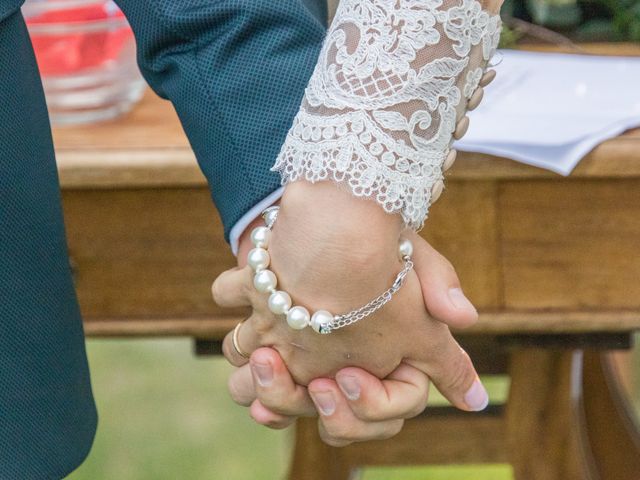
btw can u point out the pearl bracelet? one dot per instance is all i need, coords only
(298, 317)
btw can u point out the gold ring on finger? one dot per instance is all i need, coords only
(236, 343)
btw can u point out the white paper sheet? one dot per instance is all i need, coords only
(549, 110)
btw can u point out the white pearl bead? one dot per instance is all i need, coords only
(321, 318)
(260, 236)
(279, 302)
(405, 248)
(258, 259)
(265, 281)
(298, 318)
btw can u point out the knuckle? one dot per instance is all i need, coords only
(273, 400)
(369, 412)
(448, 268)
(279, 400)
(262, 324)
(267, 327)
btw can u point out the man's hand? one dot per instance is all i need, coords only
(333, 251)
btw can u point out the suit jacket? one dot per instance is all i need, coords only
(235, 70)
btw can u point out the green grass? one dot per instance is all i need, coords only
(466, 472)
(166, 415)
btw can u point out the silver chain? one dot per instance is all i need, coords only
(374, 305)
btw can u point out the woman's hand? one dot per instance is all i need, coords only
(333, 251)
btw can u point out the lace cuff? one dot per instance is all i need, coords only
(387, 97)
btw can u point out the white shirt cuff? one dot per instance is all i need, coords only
(242, 224)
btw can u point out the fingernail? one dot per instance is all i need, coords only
(263, 373)
(350, 386)
(476, 397)
(459, 300)
(325, 402)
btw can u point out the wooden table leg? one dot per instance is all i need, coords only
(440, 436)
(314, 459)
(611, 426)
(546, 434)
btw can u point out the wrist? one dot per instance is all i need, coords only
(333, 250)
(335, 217)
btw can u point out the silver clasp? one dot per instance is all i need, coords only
(399, 280)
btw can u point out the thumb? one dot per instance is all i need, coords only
(440, 285)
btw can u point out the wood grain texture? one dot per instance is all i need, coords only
(154, 252)
(502, 323)
(612, 428)
(545, 423)
(571, 245)
(423, 440)
(463, 226)
(145, 253)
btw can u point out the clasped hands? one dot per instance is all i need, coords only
(335, 251)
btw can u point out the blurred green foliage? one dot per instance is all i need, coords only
(581, 20)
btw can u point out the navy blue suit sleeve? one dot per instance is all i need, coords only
(235, 71)
(47, 415)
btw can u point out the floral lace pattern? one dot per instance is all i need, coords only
(379, 112)
(473, 80)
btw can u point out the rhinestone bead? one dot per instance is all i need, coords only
(320, 319)
(270, 215)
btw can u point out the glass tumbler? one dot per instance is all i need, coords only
(87, 59)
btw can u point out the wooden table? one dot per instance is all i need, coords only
(552, 263)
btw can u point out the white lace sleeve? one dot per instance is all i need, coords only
(387, 97)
